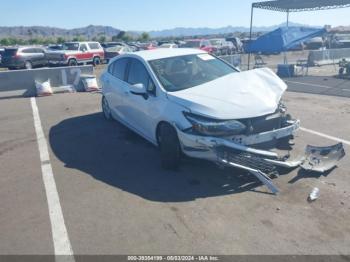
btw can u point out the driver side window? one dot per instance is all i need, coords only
(139, 74)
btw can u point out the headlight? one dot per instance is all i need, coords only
(213, 127)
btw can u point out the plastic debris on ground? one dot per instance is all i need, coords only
(323, 159)
(63, 89)
(315, 193)
(43, 89)
(90, 84)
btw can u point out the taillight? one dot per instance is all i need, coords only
(17, 55)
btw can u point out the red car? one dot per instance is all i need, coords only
(74, 53)
(202, 44)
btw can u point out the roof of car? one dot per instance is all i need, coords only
(165, 53)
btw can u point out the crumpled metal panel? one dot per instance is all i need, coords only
(322, 159)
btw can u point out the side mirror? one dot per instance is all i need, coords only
(139, 89)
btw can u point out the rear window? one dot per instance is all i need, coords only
(29, 50)
(10, 52)
(94, 46)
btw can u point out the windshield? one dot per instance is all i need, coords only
(191, 44)
(182, 72)
(70, 46)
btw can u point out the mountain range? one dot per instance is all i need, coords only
(91, 31)
(26, 32)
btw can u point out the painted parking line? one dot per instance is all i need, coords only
(60, 237)
(307, 84)
(325, 136)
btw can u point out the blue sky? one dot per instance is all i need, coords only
(153, 14)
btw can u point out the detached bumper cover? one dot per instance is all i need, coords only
(322, 159)
(261, 163)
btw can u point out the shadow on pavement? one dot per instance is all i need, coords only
(302, 174)
(113, 154)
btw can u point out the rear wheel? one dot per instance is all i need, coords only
(106, 109)
(72, 62)
(28, 65)
(170, 149)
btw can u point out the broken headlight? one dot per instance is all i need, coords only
(214, 127)
(282, 108)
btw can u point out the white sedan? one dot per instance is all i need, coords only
(187, 101)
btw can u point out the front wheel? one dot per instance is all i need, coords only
(72, 62)
(170, 149)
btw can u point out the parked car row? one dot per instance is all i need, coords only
(77, 53)
(216, 46)
(24, 57)
(71, 54)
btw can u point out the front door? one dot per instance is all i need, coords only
(141, 112)
(84, 54)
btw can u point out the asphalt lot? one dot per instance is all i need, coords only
(321, 85)
(116, 199)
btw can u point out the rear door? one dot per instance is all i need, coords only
(115, 86)
(29, 54)
(40, 57)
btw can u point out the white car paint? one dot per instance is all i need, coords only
(235, 96)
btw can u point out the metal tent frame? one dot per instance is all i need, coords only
(288, 6)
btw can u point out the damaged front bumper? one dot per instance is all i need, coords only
(238, 152)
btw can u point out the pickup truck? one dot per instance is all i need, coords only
(74, 53)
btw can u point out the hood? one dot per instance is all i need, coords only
(235, 96)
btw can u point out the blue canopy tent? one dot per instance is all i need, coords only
(282, 39)
(288, 6)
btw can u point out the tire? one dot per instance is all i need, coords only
(96, 61)
(28, 65)
(72, 62)
(170, 150)
(106, 109)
